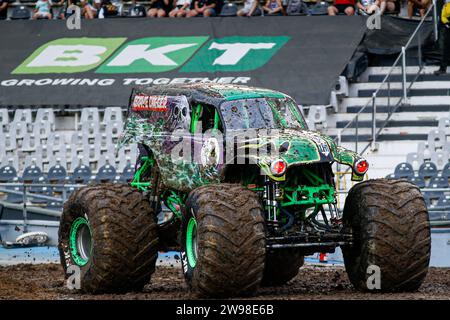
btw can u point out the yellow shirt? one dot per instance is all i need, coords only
(445, 15)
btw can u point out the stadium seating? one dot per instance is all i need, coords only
(429, 169)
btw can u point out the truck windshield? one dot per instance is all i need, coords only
(261, 113)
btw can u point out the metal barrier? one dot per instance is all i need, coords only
(403, 100)
(26, 195)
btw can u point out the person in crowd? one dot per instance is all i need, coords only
(273, 8)
(180, 8)
(368, 7)
(390, 6)
(251, 8)
(418, 5)
(205, 8)
(3, 9)
(89, 8)
(342, 7)
(42, 10)
(445, 20)
(159, 8)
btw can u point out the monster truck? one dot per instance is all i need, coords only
(231, 177)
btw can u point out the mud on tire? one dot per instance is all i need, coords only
(123, 235)
(281, 266)
(389, 222)
(230, 241)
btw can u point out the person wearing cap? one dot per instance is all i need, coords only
(445, 19)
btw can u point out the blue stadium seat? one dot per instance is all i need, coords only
(404, 170)
(81, 175)
(439, 182)
(8, 174)
(427, 170)
(127, 174)
(444, 202)
(446, 170)
(57, 175)
(418, 181)
(33, 175)
(137, 11)
(432, 197)
(20, 13)
(229, 10)
(106, 173)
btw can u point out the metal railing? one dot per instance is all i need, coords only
(26, 194)
(403, 99)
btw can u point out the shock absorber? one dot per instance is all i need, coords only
(272, 192)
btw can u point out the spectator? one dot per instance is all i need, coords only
(418, 5)
(3, 9)
(273, 7)
(90, 8)
(445, 20)
(206, 8)
(368, 7)
(181, 8)
(251, 8)
(390, 6)
(159, 8)
(342, 6)
(42, 10)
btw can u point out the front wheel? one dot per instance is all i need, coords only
(391, 236)
(109, 232)
(223, 241)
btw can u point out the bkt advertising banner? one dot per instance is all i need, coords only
(45, 63)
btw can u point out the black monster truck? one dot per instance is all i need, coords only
(244, 191)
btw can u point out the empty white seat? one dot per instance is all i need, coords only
(78, 140)
(57, 160)
(19, 129)
(107, 158)
(42, 129)
(114, 130)
(90, 129)
(29, 143)
(112, 114)
(8, 141)
(23, 115)
(414, 159)
(126, 155)
(56, 140)
(317, 115)
(46, 115)
(439, 158)
(88, 115)
(33, 160)
(436, 139)
(78, 160)
(4, 120)
(10, 160)
(444, 125)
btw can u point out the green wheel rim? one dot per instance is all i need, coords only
(191, 242)
(80, 241)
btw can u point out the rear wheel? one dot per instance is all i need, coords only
(391, 231)
(223, 241)
(109, 231)
(281, 266)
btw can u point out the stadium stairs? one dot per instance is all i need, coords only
(429, 100)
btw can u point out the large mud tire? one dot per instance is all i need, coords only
(123, 233)
(389, 222)
(281, 266)
(229, 241)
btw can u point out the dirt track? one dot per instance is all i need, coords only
(46, 281)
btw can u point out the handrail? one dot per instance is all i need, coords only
(403, 99)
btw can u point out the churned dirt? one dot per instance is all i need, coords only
(46, 281)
